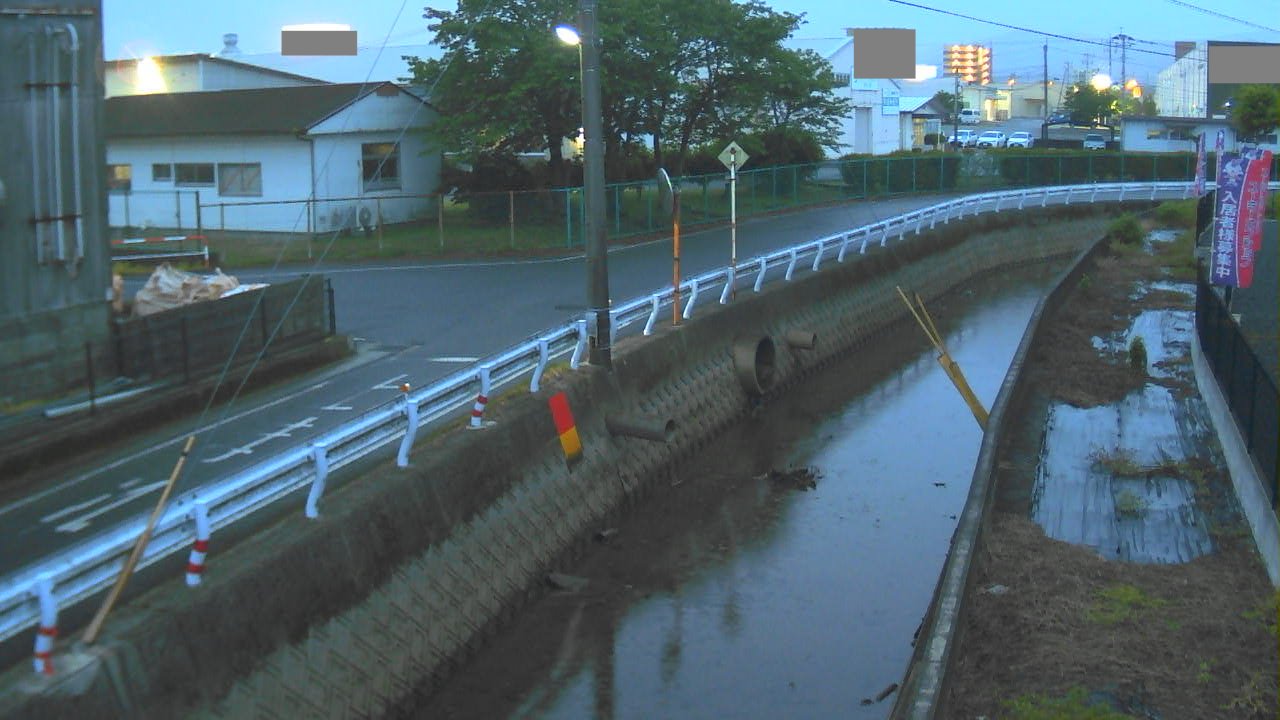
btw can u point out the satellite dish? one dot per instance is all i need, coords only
(666, 192)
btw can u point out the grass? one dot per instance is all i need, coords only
(1178, 257)
(1075, 705)
(1127, 230)
(1130, 505)
(1179, 214)
(1138, 355)
(1120, 603)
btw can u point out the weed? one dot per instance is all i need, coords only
(1086, 282)
(1117, 462)
(1138, 355)
(1130, 505)
(1177, 213)
(1268, 613)
(1205, 674)
(1126, 229)
(1256, 698)
(1118, 603)
(1075, 705)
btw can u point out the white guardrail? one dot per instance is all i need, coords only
(74, 574)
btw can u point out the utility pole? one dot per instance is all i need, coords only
(600, 353)
(955, 112)
(1044, 82)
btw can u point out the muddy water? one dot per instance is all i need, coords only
(732, 595)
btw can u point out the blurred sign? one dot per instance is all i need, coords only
(889, 101)
(1237, 232)
(1199, 189)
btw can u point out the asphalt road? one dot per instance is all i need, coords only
(415, 323)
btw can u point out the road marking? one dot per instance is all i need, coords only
(387, 384)
(247, 449)
(337, 408)
(75, 508)
(81, 522)
(453, 359)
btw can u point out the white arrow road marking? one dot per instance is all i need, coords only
(248, 449)
(81, 522)
(387, 384)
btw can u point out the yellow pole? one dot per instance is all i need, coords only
(949, 366)
(675, 257)
(95, 627)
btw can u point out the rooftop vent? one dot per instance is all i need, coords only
(229, 44)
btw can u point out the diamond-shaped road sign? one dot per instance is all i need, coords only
(733, 155)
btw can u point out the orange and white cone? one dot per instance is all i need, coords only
(195, 562)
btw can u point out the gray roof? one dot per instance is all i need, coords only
(258, 111)
(195, 58)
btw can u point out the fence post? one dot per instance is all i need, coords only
(568, 219)
(440, 219)
(177, 203)
(333, 318)
(222, 216)
(774, 173)
(511, 216)
(186, 352)
(378, 219)
(864, 179)
(199, 220)
(127, 193)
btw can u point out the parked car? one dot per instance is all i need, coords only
(991, 138)
(1058, 118)
(970, 116)
(1020, 139)
(963, 138)
(1094, 141)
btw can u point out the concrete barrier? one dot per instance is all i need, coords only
(364, 611)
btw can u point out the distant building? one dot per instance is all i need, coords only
(1182, 87)
(193, 73)
(306, 158)
(971, 62)
(1178, 134)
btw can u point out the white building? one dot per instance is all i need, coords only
(888, 115)
(192, 73)
(1178, 134)
(307, 158)
(1182, 88)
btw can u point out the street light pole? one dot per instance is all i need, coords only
(599, 351)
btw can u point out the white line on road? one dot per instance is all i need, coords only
(79, 523)
(387, 384)
(268, 437)
(75, 508)
(337, 407)
(453, 359)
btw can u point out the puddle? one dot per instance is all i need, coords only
(1078, 499)
(1165, 333)
(1159, 236)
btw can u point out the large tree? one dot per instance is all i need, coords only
(1255, 110)
(1087, 104)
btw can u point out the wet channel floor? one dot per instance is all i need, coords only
(731, 594)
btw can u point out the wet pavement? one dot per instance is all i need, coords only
(732, 594)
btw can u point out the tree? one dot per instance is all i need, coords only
(1087, 105)
(796, 93)
(951, 101)
(1255, 110)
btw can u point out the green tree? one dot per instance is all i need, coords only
(1255, 110)
(796, 92)
(1086, 104)
(951, 101)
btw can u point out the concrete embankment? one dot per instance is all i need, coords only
(409, 570)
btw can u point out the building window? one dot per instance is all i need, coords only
(119, 178)
(1156, 133)
(193, 174)
(380, 165)
(242, 179)
(162, 172)
(1181, 133)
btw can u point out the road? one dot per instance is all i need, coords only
(415, 323)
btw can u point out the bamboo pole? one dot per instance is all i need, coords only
(949, 365)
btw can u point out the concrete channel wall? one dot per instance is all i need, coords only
(362, 612)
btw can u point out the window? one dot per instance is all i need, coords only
(380, 165)
(240, 179)
(162, 172)
(1156, 133)
(193, 174)
(119, 178)
(1181, 133)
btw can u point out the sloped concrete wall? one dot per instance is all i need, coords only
(408, 571)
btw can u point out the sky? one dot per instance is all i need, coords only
(137, 28)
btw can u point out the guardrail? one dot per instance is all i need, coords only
(90, 567)
(201, 249)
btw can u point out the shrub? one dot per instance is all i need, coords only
(1138, 355)
(1177, 213)
(1126, 230)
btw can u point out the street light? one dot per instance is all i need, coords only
(588, 43)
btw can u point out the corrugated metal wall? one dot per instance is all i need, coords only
(53, 249)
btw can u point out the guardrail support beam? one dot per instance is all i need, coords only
(693, 298)
(544, 356)
(319, 455)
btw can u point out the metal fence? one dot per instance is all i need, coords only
(1246, 385)
(555, 217)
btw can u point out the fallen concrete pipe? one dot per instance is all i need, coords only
(643, 427)
(755, 363)
(802, 339)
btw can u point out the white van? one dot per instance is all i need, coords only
(970, 116)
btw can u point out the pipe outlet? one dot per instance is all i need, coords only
(754, 360)
(644, 427)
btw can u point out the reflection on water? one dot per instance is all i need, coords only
(733, 596)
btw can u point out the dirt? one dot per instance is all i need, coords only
(1051, 620)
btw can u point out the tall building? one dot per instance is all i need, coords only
(971, 62)
(1182, 88)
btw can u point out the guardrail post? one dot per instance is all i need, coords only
(1093, 194)
(410, 410)
(817, 258)
(613, 328)
(999, 200)
(581, 347)
(919, 221)
(843, 247)
(200, 548)
(1153, 191)
(1044, 196)
(764, 267)
(693, 298)
(655, 301)
(319, 455)
(866, 235)
(1068, 195)
(728, 286)
(1122, 189)
(544, 354)
(48, 630)
(791, 266)
(884, 234)
(482, 398)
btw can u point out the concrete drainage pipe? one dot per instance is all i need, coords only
(755, 363)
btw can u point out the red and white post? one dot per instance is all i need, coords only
(482, 399)
(48, 630)
(195, 562)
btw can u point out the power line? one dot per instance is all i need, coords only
(1224, 16)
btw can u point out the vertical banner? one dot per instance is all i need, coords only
(1218, 148)
(1241, 200)
(1200, 166)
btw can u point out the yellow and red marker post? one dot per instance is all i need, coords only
(566, 428)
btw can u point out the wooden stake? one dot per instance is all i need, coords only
(949, 366)
(95, 627)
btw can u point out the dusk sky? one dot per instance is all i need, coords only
(135, 28)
